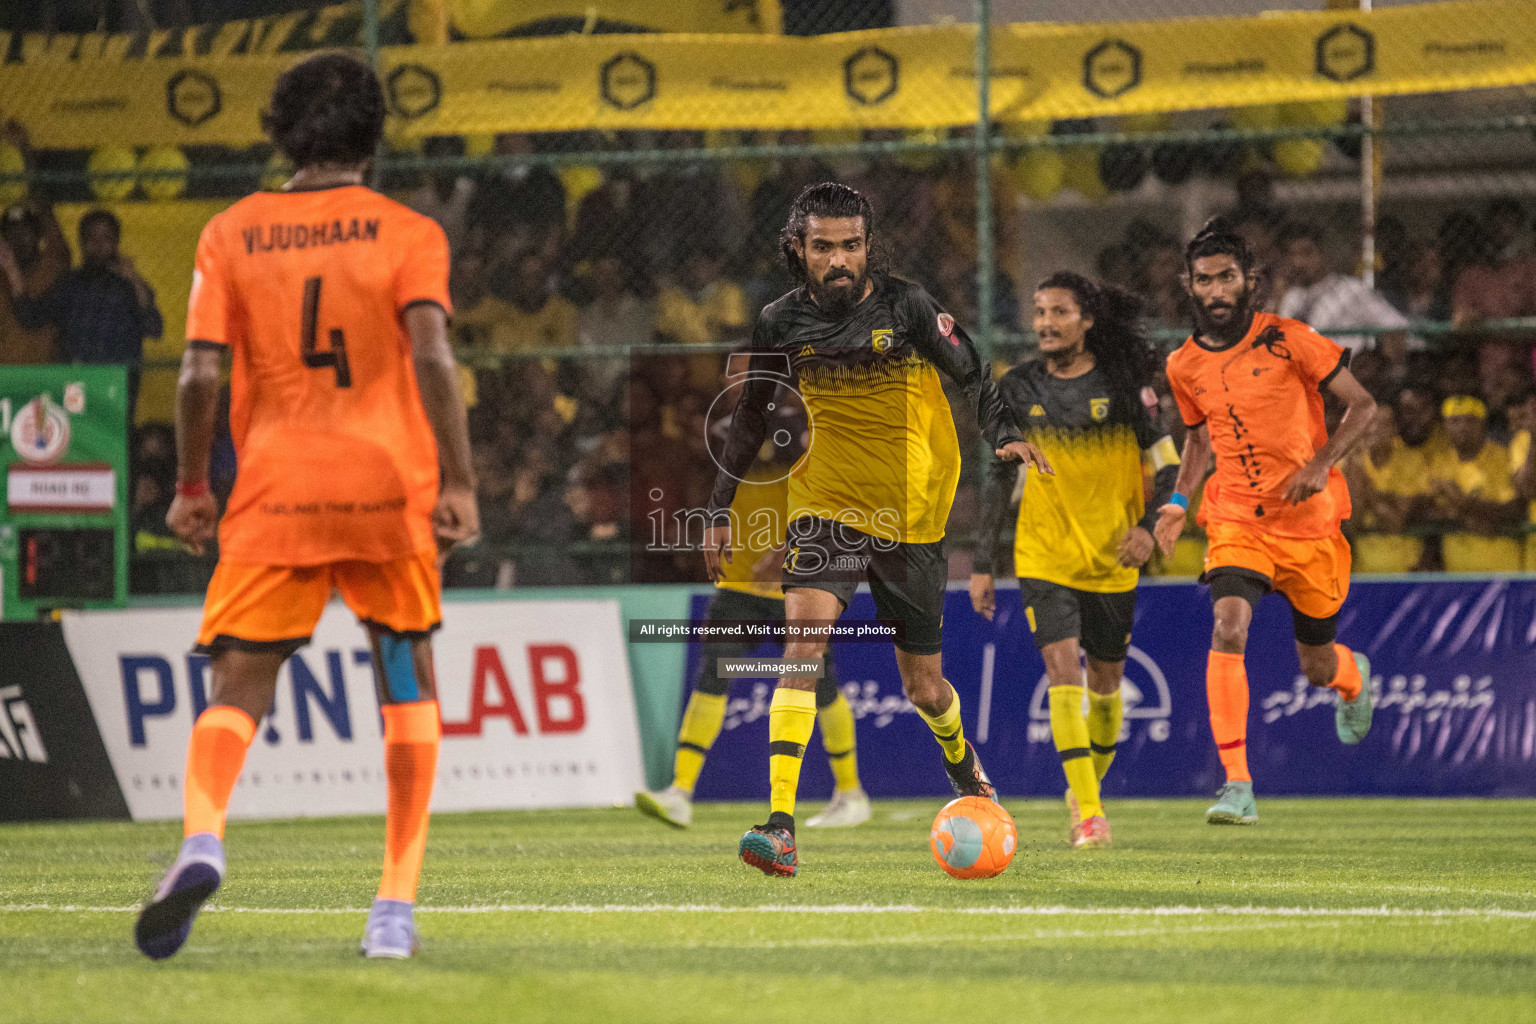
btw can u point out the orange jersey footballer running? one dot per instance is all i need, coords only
(332, 302)
(1249, 387)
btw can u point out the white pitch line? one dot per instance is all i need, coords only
(1054, 933)
(850, 909)
(1383, 887)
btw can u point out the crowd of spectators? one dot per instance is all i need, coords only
(577, 453)
(651, 258)
(99, 312)
(590, 448)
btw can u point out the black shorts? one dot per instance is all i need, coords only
(907, 580)
(1101, 623)
(1251, 586)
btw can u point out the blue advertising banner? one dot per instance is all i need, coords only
(1453, 671)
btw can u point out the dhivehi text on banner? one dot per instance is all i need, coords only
(887, 78)
(1453, 669)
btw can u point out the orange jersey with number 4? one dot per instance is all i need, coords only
(335, 458)
(1262, 401)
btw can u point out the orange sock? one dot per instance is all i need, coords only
(1226, 688)
(215, 755)
(1347, 678)
(411, 735)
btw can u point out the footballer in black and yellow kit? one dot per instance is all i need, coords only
(871, 497)
(1082, 536)
(749, 591)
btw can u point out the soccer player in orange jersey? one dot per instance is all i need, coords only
(354, 470)
(1249, 386)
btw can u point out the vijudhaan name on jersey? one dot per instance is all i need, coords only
(303, 236)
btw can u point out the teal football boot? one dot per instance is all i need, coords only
(1234, 805)
(1352, 718)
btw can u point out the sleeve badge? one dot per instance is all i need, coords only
(947, 327)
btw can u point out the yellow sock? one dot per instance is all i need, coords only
(701, 726)
(946, 728)
(791, 717)
(837, 736)
(1070, 731)
(1105, 712)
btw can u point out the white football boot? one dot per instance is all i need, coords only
(671, 805)
(847, 808)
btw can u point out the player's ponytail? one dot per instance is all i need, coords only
(1117, 338)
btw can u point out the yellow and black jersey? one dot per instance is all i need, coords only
(1070, 525)
(883, 457)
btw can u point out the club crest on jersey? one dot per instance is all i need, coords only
(880, 339)
(947, 328)
(1098, 408)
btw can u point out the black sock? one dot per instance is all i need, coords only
(965, 765)
(778, 819)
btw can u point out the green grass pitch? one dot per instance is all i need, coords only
(1328, 910)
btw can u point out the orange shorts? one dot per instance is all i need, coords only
(1312, 572)
(275, 607)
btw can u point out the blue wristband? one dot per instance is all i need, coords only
(1178, 499)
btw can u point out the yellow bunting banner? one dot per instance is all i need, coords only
(1189, 63)
(479, 19)
(888, 78)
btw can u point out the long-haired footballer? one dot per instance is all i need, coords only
(1081, 539)
(871, 498)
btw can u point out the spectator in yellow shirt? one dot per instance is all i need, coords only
(700, 307)
(31, 232)
(1389, 488)
(1474, 493)
(1418, 421)
(1521, 411)
(521, 312)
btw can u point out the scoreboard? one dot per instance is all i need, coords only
(64, 456)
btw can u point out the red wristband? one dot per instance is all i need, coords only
(191, 490)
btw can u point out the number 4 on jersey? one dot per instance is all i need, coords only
(313, 357)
